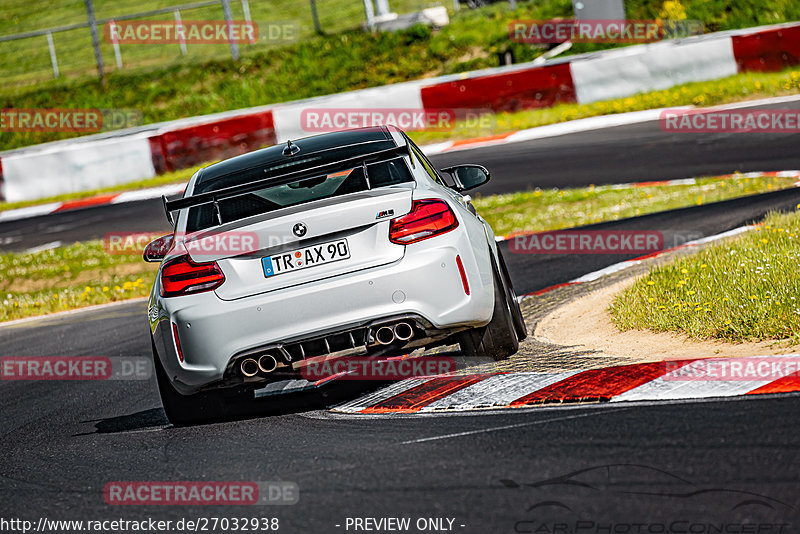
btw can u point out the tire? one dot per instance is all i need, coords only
(181, 409)
(511, 295)
(498, 339)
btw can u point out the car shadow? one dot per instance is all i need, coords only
(322, 398)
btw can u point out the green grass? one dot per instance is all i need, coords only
(743, 290)
(553, 209)
(167, 86)
(28, 61)
(69, 277)
(83, 274)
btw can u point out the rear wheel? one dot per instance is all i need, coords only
(498, 339)
(511, 296)
(181, 409)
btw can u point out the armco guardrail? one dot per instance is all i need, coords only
(97, 161)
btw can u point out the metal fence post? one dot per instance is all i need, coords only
(226, 8)
(248, 19)
(369, 10)
(314, 16)
(115, 42)
(382, 7)
(179, 30)
(98, 56)
(53, 58)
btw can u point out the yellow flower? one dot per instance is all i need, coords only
(764, 241)
(698, 308)
(728, 321)
(662, 307)
(651, 283)
(117, 288)
(703, 266)
(651, 299)
(690, 292)
(708, 309)
(753, 297)
(87, 289)
(105, 289)
(684, 271)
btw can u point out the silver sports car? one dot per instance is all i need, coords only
(347, 243)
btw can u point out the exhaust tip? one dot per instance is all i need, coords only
(267, 363)
(249, 367)
(384, 335)
(403, 331)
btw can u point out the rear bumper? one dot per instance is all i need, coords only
(425, 282)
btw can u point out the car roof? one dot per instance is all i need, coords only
(373, 138)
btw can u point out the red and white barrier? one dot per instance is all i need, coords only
(289, 123)
(766, 50)
(78, 166)
(506, 90)
(98, 161)
(652, 67)
(178, 148)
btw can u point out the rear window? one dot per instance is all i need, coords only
(307, 189)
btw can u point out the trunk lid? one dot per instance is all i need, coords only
(342, 234)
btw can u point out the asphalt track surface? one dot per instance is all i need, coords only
(669, 467)
(633, 153)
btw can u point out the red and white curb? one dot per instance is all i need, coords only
(652, 381)
(616, 267)
(175, 189)
(101, 200)
(551, 130)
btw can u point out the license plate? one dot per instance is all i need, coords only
(303, 258)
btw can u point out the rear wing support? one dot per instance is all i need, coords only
(212, 197)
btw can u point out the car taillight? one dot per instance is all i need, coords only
(182, 276)
(428, 218)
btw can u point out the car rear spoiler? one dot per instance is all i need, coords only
(212, 197)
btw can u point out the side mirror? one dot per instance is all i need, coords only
(156, 250)
(466, 177)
